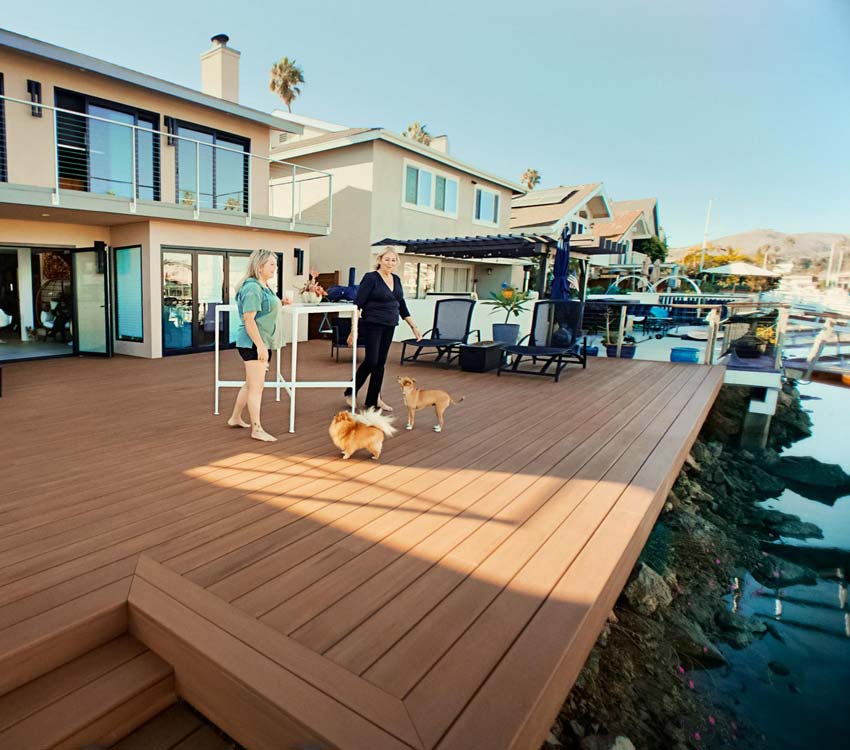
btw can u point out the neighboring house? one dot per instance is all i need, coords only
(547, 211)
(622, 230)
(385, 185)
(649, 208)
(132, 203)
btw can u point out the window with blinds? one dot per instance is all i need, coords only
(129, 323)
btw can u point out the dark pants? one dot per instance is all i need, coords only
(377, 339)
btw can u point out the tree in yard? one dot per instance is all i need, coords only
(714, 256)
(417, 132)
(655, 248)
(285, 80)
(530, 178)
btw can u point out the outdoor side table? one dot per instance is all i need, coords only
(481, 356)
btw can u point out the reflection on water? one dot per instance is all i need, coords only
(791, 684)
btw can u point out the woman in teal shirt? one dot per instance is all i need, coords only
(257, 306)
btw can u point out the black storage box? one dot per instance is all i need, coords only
(480, 357)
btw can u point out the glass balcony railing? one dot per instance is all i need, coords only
(105, 152)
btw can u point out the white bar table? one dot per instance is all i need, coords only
(291, 386)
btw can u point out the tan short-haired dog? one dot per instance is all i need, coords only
(416, 398)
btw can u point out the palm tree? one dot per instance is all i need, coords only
(530, 178)
(417, 132)
(284, 80)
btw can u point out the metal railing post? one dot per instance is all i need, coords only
(197, 179)
(292, 215)
(133, 205)
(55, 197)
(250, 192)
(330, 202)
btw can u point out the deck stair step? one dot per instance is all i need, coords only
(93, 700)
(176, 728)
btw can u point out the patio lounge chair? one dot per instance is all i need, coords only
(452, 318)
(340, 328)
(552, 343)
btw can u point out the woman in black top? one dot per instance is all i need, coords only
(380, 298)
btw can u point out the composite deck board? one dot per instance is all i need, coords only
(435, 576)
(405, 498)
(419, 539)
(516, 498)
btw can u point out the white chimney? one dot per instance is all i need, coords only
(441, 143)
(220, 70)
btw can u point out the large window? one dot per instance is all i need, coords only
(429, 191)
(455, 279)
(97, 154)
(486, 207)
(128, 293)
(3, 174)
(219, 161)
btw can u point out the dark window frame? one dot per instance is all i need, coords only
(194, 251)
(152, 118)
(34, 90)
(4, 174)
(215, 133)
(118, 336)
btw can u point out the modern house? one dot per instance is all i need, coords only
(129, 204)
(386, 185)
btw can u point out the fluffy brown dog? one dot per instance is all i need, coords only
(416, 398)
(367, 430)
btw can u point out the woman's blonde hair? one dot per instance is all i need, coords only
(381, 255)
(257, 259)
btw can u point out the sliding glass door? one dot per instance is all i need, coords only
(194, 283)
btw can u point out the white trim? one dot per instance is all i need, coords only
(432, 198)
(498, 207)
(426, 152)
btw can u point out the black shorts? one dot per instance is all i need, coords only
(250, 355)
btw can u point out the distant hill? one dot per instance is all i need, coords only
(813, 246)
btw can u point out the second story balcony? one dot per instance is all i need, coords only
(120, 163)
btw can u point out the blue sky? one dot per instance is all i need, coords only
(746, 102)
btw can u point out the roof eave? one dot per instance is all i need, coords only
(401, 142)
(37, 48)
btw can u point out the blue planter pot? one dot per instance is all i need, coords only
(506, 333)
(627, 351)
(684, 354)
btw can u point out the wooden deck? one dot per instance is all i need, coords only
(445, 597)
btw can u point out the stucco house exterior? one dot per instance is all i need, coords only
(385, 185)
(129, 204)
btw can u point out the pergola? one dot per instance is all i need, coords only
(537, 248)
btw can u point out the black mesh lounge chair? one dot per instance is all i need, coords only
(552, 343)
(340, 328)
(452, 318)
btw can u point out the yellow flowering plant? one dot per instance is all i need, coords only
(509, 299)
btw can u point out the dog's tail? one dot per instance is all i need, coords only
(458, 400)
(374, 418)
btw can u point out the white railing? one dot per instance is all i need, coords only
(98, 155)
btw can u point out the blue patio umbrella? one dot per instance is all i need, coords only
(560, 280)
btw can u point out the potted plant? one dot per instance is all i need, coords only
(313, 291)
(512, 301)
(628, 346)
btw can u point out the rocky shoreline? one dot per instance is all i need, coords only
(642, 683)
